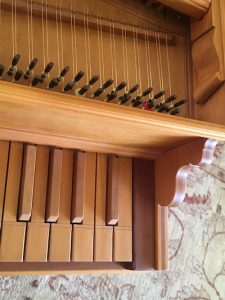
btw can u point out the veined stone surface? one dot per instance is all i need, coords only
(196, 247)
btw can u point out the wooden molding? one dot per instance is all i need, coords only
(195, 9)
(49, 118)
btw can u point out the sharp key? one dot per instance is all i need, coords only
(27, 183)
(112, 191)
(54, 185)
(78, 193)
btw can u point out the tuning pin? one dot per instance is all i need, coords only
(18, 75)
(174, 111)
(72, 83)
(101, 90)
(55, 81)
(46, 71)
(14, 63)
(127, 96)
(30, 68)
(37, 79)
(138, 100)
(168, 100)
(151, 102)
(2, 69)
(79, 76)
(114, 92)
(83, 90)
(179, 103)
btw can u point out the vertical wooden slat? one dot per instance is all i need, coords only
(83, 234)
(112, 191)
(77, 214)
(60, 234)
(27, 183)
(103, 233)
(54, 185)
(37, 235)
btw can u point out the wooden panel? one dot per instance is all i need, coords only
(4, 153)
(12, 241)
(60, 243)
(27, 183)
(112, 191)
(103, 234)
(54, 185)
(143, 215)
(37, 236)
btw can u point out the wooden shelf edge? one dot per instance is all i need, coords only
(44, 117)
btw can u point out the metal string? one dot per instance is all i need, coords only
(46, 24)
(114, 54)
(32, 31)
(72, 35)
(150, 63)
(103, 66)
(75, 34)
(88, 40)
(99, 51)
(168, 65)
(135, 54)
(43, 33)
(28, 32)
(13, 40)
(61, 36)
(57, 37)
(138, 59)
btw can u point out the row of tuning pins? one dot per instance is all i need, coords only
(151, 104)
